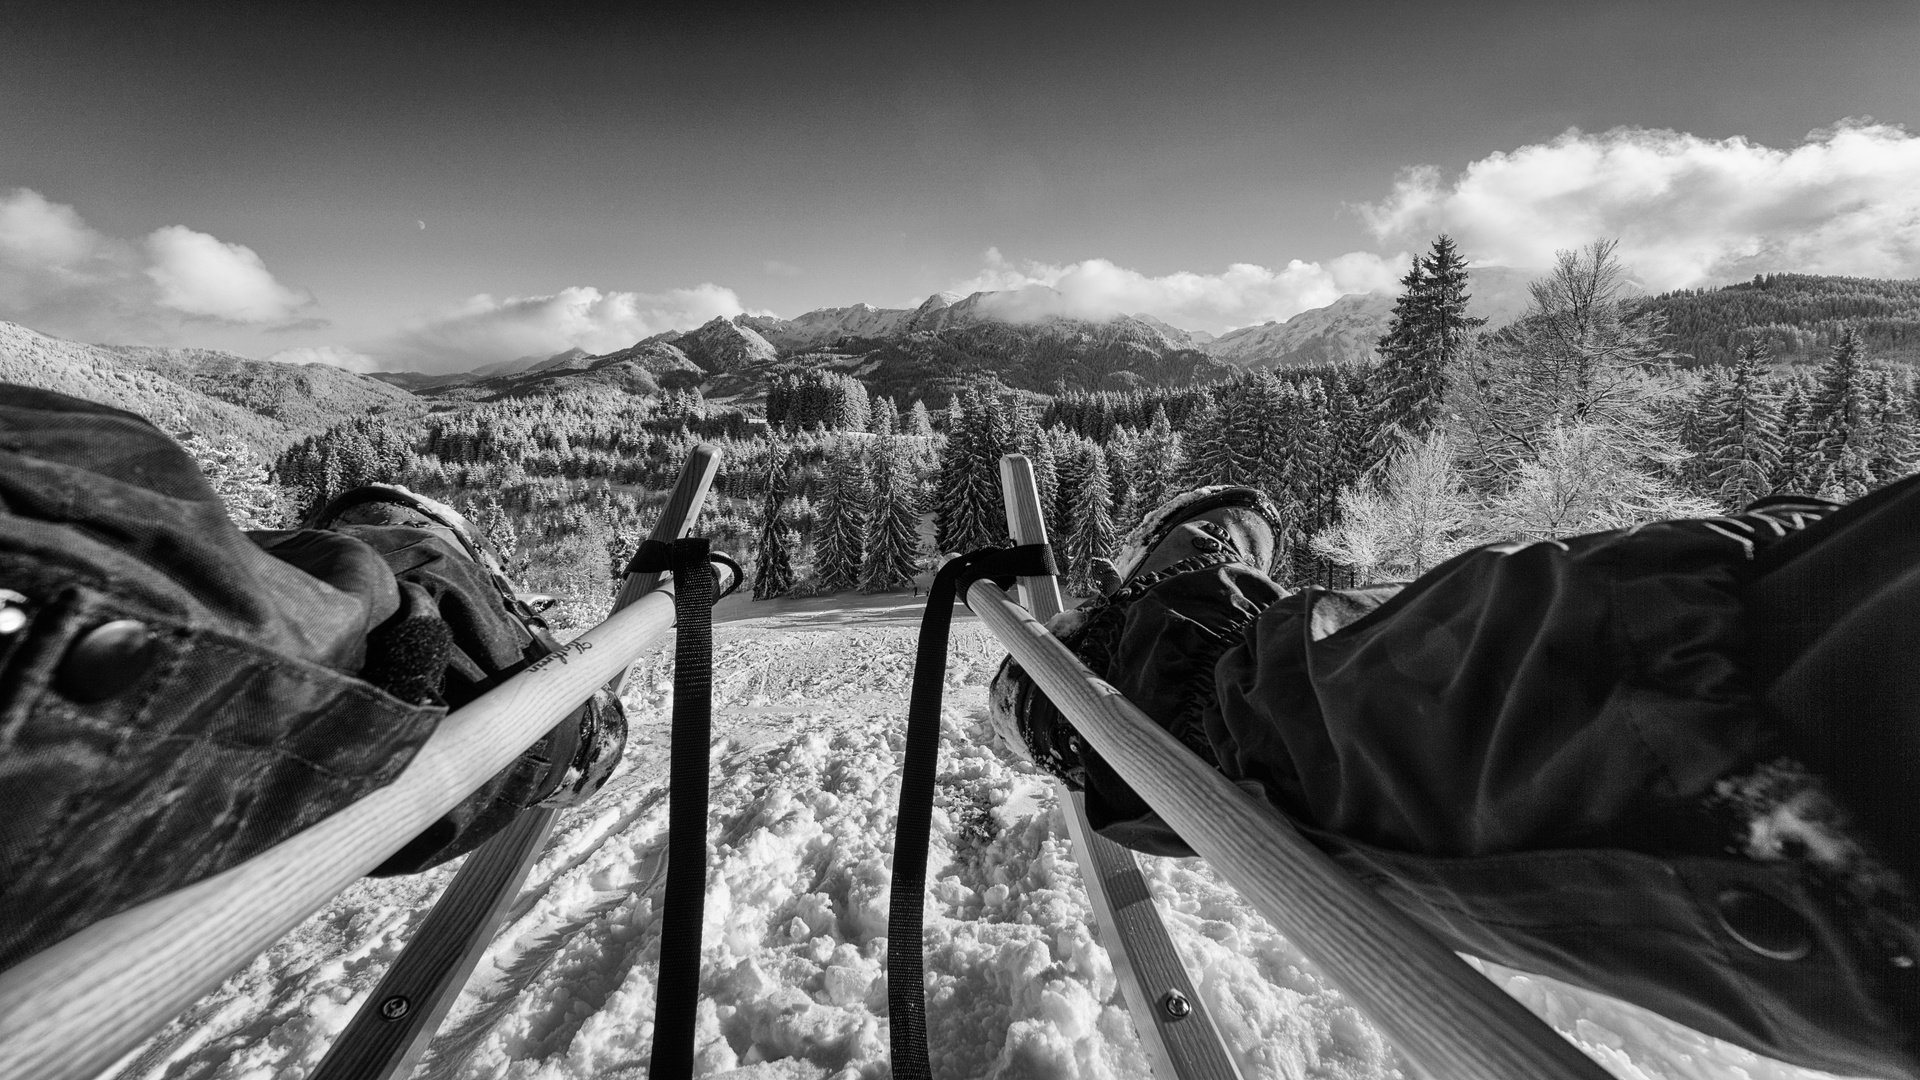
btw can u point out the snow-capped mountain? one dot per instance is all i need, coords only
(1347, 329)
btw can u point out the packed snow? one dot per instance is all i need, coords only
(809, 701)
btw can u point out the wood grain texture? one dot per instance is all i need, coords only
(678, 516)
(1145, 963)
(435, 965)
(430, 972)
(1447, 1020)
(70, 1011)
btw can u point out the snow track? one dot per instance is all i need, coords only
(809, 725)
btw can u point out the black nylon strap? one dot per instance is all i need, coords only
(906, 977)
(678, 990)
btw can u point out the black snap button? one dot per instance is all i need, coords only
(1764, 925)
(106, 661)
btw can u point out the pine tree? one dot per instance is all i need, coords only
(1740, 421)
(1210, 455)
(968, 512)
(1895, 443)
(893, 547)
(840, 534)
(1424, 341)
(1092, 536)
(1070, 454)
(886, 417)
(1799, 467)
(917, 422)
(1158, 463)
(1837, 413)
(499, 531)
(773, 569)
(1046, 468)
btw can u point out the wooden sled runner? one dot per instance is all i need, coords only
(1174, 1029)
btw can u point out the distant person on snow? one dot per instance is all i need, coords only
(1677, 764)
(176, 696)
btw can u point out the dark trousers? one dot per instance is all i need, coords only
(176, 696)
(1679, 765)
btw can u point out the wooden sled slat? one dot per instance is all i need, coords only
(1175, 1030)
(396, 1024)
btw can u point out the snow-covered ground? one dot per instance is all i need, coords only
(810, 700)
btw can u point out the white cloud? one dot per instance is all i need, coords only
(1244, 294)
(780, 269)
(1687, 210)
(36, 233)
(198, 274)
(484, 330)
(334, 355)
(61, 276)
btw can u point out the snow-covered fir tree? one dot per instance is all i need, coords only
(893, 539)
(1092, 535)
(886, 417)
(773, 567)
(917, 421)
(1839, 465)
(1740, 425)
(969, 512)
(1158, 462)
(840, 529)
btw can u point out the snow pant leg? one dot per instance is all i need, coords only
(1834, 623)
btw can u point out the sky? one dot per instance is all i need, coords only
(421, 191)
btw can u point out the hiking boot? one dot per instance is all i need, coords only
(1202, 524)
(1209, 526)
(569, 763)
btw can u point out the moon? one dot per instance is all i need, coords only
(422, 224)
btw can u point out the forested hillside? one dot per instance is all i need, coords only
(1796, 317)
(265, 405)
(853, 467)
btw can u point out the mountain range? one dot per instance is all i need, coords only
(1026, 338)
(1018, 338)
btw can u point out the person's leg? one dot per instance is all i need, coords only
(173, 699)
(1834, 625)
(1189, 580)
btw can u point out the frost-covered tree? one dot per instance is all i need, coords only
(1070, 455)
(1835, 432)
(840, 530)
(893, 544)
(1740, 425)
(499, 531)
(1420, 515)
(1895, 442)
(1580, 481)
(240, 478)
(969, 512)
(1582, 358)
(1158, 461)
(773, 568)
(917, 422)
(1092, 535)
(1215, 442)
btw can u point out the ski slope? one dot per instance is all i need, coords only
(809, 700)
